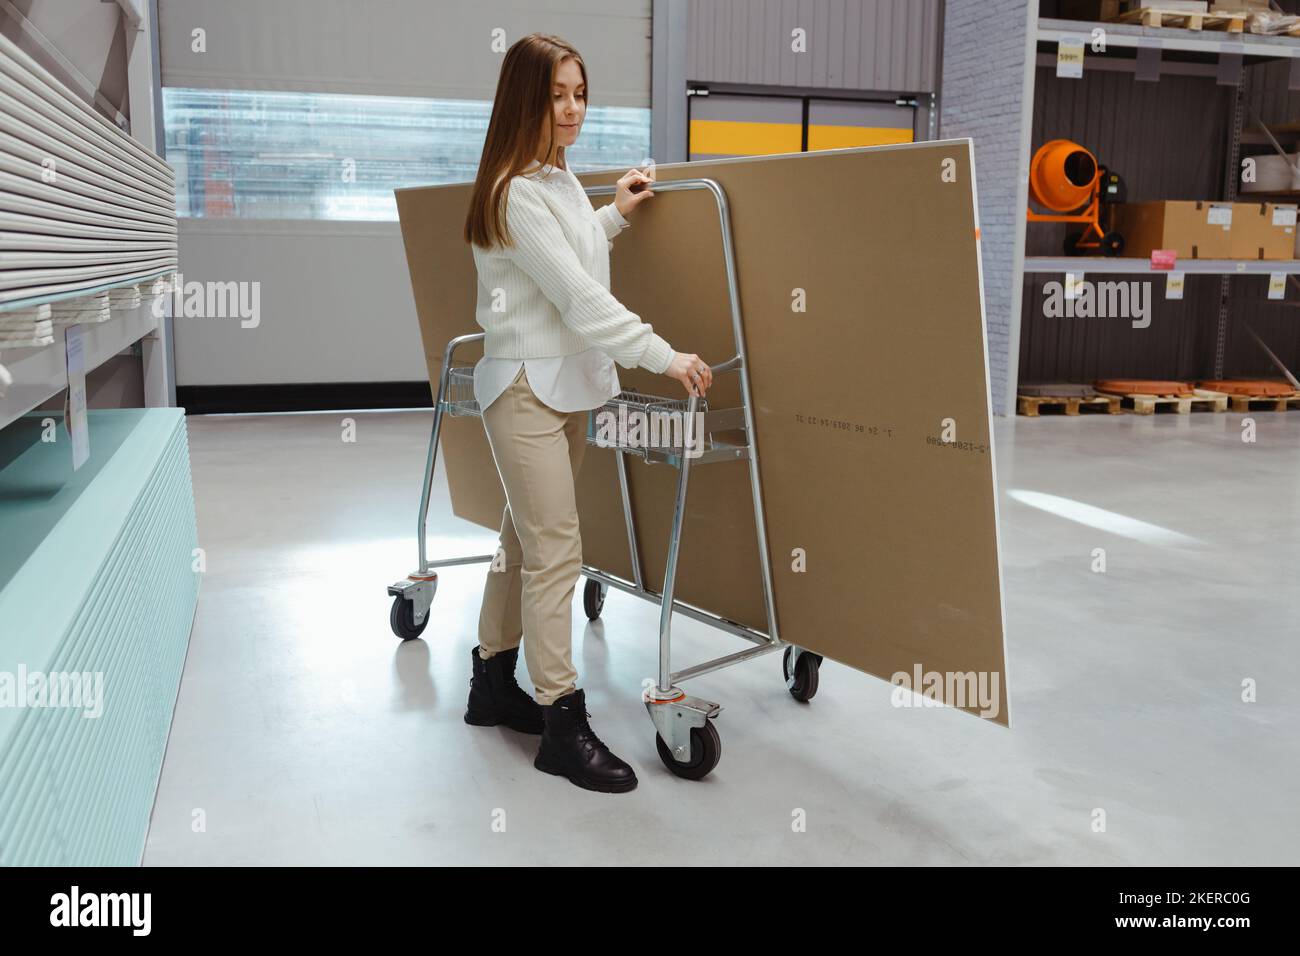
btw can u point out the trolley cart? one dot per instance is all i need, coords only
(686, 738)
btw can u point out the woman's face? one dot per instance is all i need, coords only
(569, 101)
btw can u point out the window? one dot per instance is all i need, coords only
(278, 155)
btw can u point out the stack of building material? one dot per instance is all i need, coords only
(159, 286)
(26, 328)
(86, 310)
(1067, 398)
(1257, 388)
(1144, 386)
(124, 297)
(97, 593)
(1147, 396)
(1245, 394)
(1185, 14)
(85, 205)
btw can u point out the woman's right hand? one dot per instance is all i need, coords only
(692, 371)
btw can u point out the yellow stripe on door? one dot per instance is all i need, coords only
(845, 137)
(760, 139)
(745, 139)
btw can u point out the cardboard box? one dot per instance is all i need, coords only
(1090, 10)
(1193, 229)
(1263, 230)
(1239, 6)
(896, 524)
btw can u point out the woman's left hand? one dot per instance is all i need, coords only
(624, 199)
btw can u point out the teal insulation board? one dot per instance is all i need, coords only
(98, 585)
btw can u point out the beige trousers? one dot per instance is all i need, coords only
(538, 452)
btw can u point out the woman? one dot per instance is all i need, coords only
(553, 332)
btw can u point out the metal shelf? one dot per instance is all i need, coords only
(1094, 265)
(41, 373)
(1129, 36)
(1206, 53)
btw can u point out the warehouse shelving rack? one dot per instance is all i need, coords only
(1131, 36)
(41, 373)
(686, 738)
(1204, 52)
(1135, 266)
(101, 183)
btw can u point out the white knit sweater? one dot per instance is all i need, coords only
(549, 294)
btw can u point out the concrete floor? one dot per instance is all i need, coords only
(305, 733)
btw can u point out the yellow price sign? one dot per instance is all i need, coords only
(1069, 58)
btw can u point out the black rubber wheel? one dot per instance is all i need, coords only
(803, 686)
(402, 619)
(1112, 244)
(706, 751)
(593, 600)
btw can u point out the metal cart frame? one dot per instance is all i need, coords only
(687, 740)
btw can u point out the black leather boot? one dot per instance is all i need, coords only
(570, 748)
(495, 697)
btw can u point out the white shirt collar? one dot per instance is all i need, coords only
(543, 172)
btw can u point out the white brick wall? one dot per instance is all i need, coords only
(982, 97)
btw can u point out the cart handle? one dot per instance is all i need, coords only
(455, 343)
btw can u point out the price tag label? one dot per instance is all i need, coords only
(1069, 58)
(1073, 285)
(1277, 285)
(1174, 283)
(1220, 214)
(76, 418)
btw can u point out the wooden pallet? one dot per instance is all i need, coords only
(1156, 17)
(1200, 401)
(1033, 405)
(1264, 403)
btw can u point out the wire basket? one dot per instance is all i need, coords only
(459, 398)
(664, 428)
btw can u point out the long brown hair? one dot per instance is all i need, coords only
(514, 134)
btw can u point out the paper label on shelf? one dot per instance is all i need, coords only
(1073, 284)
(1220, 214)
(1277, 285)
(1069, 58)
(1174, 285)
(76, 420)
(1284, 215)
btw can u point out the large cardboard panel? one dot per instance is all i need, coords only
(852, 393)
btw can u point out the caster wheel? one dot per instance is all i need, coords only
(402, 619)
(593, 599)
(1112, 244)
(803, 682)
(706, 751)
